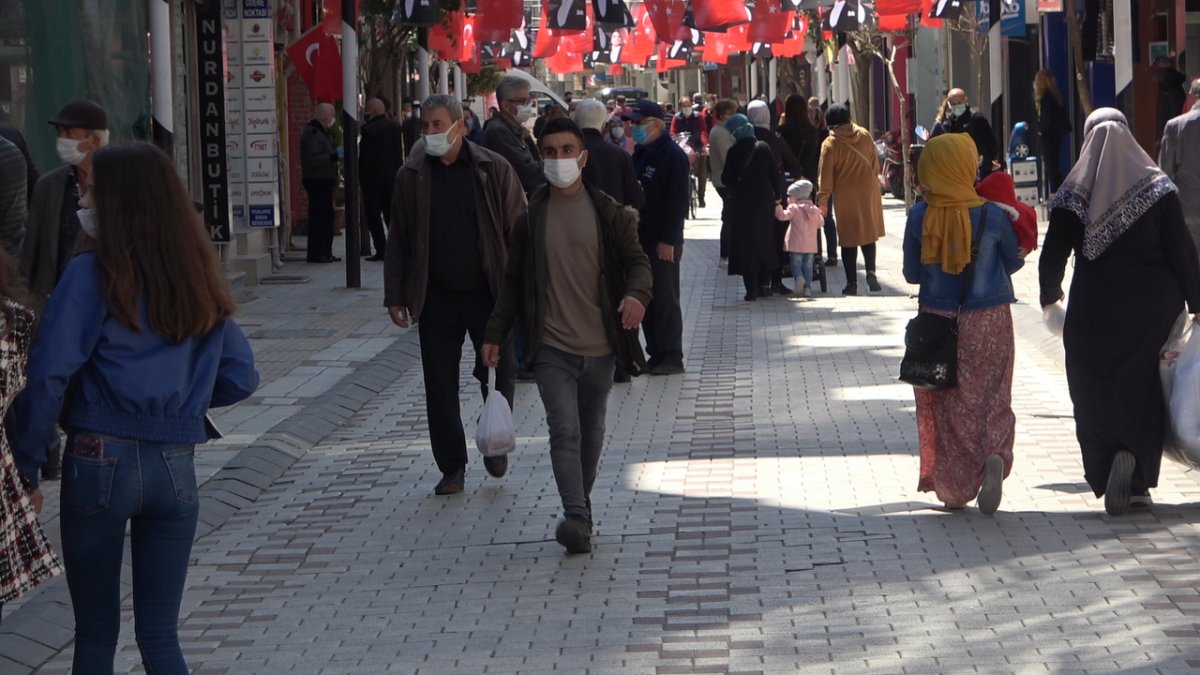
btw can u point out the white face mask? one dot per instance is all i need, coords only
(525, 113)
(562, 173)
(87, 221)
(68, 151)
(687, 112)
(438, 145)
(618, 132)
(958, 110)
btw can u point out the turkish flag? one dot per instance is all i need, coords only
(564, 62)
(719, 16)
(468, 45)
(640, 43)
(311, 55)
(739, 38)
(497, 19)
(545, 44)
(770, 23)
(446, 38)
(327, 71)
(667, 17)
(793, 44)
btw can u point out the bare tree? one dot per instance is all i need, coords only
(1081, 82)
(968, 28)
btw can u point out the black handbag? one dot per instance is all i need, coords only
(931, 340)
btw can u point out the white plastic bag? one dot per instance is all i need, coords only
(1055, 317)
(1181, 391)
(495, 434)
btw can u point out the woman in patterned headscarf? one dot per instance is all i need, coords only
(966, 433)
(1135, 265)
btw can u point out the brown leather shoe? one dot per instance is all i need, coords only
(451, 483)
(496, 466)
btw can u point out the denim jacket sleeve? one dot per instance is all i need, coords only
(236, 377)
(69, 333)
(912, 244)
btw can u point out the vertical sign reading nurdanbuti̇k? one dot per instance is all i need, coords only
(210, 76)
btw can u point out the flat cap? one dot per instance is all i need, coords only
(81, 114)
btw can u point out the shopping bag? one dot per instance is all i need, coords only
(1181, 392)
(495, 434)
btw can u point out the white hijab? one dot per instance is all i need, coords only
(1113, 184)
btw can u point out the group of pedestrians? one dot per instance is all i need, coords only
(117, 279)
(566, 245)
(563, 259)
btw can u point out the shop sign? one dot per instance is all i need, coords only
(210, 76)
(1050, 5)
(1012, 18)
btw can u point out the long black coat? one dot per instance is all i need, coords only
(755, 186)
(1119, 313)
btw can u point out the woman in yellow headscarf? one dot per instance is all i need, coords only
(966, 433)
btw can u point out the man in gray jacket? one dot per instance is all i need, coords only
(319, 171)
(1179, 157)
(506, 135)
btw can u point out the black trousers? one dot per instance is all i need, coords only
(320, 218)
(1052, 163)
(663, 326)
(850, 262)
(377, 211)
(445, 320)
(726, 217)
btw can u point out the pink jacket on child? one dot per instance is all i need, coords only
(806, 220)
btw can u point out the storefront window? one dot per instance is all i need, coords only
(55, 52)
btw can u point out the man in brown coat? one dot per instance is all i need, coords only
(453, 206)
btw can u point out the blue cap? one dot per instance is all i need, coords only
(643, 109)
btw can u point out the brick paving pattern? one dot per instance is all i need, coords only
(757, 514)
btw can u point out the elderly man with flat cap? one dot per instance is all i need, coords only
(52, 235)
(53, 228)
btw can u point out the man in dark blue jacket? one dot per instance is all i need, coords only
(662, 169)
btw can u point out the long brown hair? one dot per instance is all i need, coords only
(1044, 82)
(150, 242)
(795, 107)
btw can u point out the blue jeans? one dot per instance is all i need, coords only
(108, 482)
(802, 268)
(574, 391)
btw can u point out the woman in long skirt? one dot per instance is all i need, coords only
(965, 433)
(1135, 265)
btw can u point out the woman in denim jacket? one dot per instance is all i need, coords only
(966, 433)
(136, 345)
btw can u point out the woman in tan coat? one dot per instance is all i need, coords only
(850, 171)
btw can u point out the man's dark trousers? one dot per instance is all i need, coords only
(377, 209)
(448, 317)
(663, 325)
(320, 219)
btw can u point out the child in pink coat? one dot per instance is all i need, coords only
(801, 239)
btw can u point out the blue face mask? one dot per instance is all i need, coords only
(639, 134)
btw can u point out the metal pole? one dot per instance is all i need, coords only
(443, 77)
(423, 75)
(160, 67)
(350, 139)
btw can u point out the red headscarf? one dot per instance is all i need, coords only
(999, 189)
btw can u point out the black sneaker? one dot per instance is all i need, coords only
(667, 369)
(873, 283)
(496, 466)
(852, 289)
(575, 534)
(831, 261)
(451, 483)
(780, 289)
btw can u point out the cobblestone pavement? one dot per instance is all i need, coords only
(757, 514)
